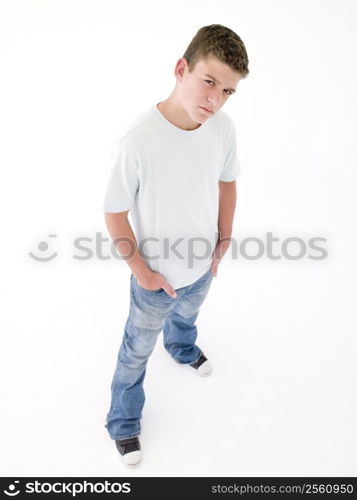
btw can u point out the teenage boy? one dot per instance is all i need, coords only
(174, 169)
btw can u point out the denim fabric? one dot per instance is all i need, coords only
(150, 312)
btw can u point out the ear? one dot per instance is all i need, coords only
(180, 68)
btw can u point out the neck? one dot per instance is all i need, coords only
(176, 114)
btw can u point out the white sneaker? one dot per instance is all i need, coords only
(202, 366)
(130, 451)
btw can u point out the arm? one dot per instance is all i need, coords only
(227, 205)
(123, 236)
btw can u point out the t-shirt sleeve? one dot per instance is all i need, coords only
(123, 182)
(231, 164)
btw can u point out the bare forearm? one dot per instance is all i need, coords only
(125, 241)
(227, 205)
(123, 236)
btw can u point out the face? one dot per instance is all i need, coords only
(196, 90)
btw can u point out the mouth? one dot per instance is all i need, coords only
(207, 110)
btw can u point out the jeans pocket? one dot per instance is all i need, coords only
(208, 274)
(145, 289)
(207, 277)
(150, 291)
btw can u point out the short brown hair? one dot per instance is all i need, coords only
(221, 42)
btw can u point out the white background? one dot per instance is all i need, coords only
(281, 334)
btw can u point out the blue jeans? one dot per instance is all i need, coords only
(150, 312)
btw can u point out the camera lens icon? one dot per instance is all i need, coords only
(43, 247)
(12, 488)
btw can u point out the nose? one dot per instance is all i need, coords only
(214, 99)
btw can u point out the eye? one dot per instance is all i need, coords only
(228, 92)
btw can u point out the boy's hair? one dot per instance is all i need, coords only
(221, 42)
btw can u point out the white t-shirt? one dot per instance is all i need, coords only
(168, 178)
